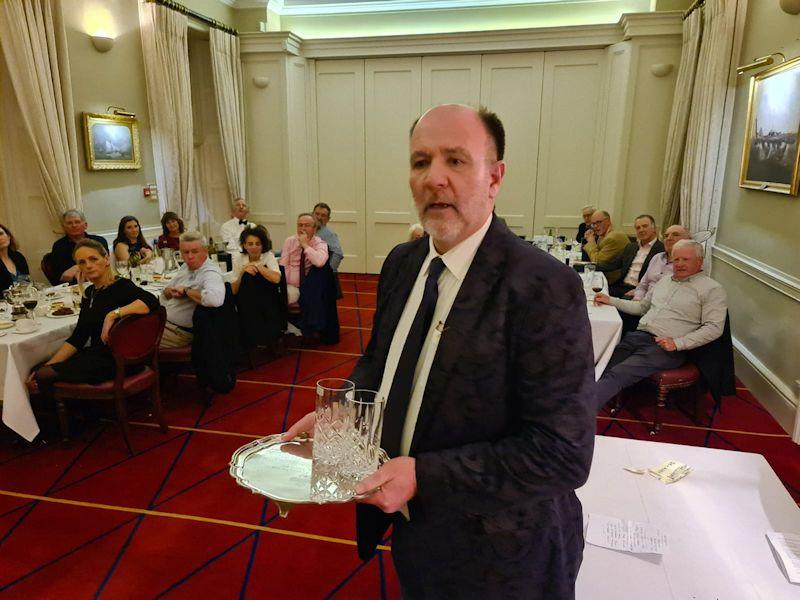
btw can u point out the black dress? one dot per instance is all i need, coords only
(6, 278)
(95, 363)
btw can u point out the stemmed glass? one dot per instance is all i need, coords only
(30, 300)
(123, 268)
(597, 284)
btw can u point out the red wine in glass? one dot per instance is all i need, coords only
(30, 304)
(596, 289)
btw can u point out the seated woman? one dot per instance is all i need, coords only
(130, 240)
(105, 301)
(173, 227)
(256, 279)
(12, 263)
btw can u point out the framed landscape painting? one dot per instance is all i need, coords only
(112, 142)
(770, 156)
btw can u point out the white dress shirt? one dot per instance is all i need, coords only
(241, 260)
(457, 261)
(231, 230)
(632, 277)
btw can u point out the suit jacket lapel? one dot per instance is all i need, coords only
(485, 270)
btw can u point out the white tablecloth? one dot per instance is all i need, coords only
(715, 520)
(18, 354)
(606, 330)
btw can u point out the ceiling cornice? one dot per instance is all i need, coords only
(378, 6)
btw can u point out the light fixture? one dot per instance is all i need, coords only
(661, 69)
(761, 61)
(261, 82)
(791, 7)
(120, 112)
(102, 43)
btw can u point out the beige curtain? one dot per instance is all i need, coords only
(166, 68)
(679, 120)
(33, 41)
(227, 72)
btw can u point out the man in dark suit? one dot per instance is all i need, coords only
(489, 418)
(636, 257)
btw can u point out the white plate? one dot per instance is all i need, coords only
(34, 330)
(6, 324)
(52, 316)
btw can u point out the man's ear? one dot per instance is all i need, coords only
(496, 173)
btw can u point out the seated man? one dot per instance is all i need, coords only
(586, 212)
(661, 263)
(73, 222)
(638, 255)
(300, 252)
(604, 246)
(198, 281)
(322, 213)
(232, 229)
(681, 313)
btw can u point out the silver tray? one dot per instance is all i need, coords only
(281, 471)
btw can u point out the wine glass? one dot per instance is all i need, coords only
(123, 268)
(597, 284)
(30, 300)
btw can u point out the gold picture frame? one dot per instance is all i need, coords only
(771, 153)
(111, 142)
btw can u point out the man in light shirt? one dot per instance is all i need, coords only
(322, 214)
(481, 346)
(232, 229)
(198, 281)
(661, 264)
(638, 255)
(680, 313)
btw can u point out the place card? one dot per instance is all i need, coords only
(670, 471)
(628, 536)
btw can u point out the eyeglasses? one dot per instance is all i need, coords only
(593, 223)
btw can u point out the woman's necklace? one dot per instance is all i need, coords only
(97, 290)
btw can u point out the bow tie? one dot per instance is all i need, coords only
(242, 222)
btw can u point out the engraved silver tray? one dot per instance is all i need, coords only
(281, 471)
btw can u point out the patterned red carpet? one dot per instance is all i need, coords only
(84, 519)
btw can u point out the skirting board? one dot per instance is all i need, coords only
(771, 392)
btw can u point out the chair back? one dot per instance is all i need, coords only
(47, 268)
(135, 338)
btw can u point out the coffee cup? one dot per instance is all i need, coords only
(26, 325)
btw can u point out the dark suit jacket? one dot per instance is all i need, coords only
(61, 254)
(506, 428)
(215, 343)
(630, 254)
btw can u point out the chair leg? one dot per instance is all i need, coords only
(155, 395)
(63, 421)
(122, 417)
(661, 402)
(617, 405)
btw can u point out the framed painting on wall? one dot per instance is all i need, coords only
(112, 142)
(770, 156)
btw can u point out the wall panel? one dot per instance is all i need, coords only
(451, 79)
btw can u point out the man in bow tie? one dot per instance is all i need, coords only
(232, 229)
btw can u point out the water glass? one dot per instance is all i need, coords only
(123, 268)
(329, 438)
(362, 437)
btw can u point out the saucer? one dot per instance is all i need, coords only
(34, 330)
(5, 324)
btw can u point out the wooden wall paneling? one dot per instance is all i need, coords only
(511, 86)
(571, 135)
(451, 79)
(392, 103)
(340, 150)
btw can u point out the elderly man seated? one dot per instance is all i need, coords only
(300, 252)
(605, 246)
(661, 264)
(679, 313)
(73, 222)
(198, 281)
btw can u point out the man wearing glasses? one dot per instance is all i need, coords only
(605, 246)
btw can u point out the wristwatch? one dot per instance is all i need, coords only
(117, 313)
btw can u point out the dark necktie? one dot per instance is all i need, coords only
(302, 265)
(402, 384)
(243, 222)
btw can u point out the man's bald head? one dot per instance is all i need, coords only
(491, 123)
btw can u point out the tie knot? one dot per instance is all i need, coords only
(435, 268)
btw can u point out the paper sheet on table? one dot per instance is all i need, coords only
(787, 547)
(670, 471)
(629, 536)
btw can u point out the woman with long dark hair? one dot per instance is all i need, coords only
(130, 240)
(12, 263)
(172, 226)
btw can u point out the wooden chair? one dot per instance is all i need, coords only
(133, 340)
(47, 268)
(685, 376)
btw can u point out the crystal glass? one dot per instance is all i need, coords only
(329, 438)
(29, 300)
(361, 436)
(123, 268)
(597, 283)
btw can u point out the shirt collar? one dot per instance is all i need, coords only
(459, 257)
(649, 244)
(697, 275)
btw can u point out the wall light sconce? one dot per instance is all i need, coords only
(791, 7)
(761, 61)
(261, 82)
(102, 43)
(661, 69)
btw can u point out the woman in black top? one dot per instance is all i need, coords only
(12, 263)
(130, 239)
(105, 301)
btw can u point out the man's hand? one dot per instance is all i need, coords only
(667, 343)
(630, 293)
(304, 425)
(588, 235)
(396, 482)
(175, 292)
(72, 273)
(601, 299)
(303, 239)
